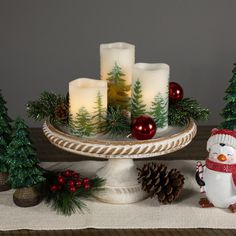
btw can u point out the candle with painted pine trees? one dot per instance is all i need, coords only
(150, 89)
(117, 59)
(88, 105)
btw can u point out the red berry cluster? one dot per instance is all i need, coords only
(70, 180)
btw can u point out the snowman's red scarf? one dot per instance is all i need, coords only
(227, 168)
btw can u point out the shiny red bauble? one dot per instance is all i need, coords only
(143, 127)
(71, 183)
(86, 180)
(176, 92)
(78, 183)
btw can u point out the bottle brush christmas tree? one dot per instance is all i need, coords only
(137, 105)
(5, 137)
(24, 172)
(229, 111)
(118, 90)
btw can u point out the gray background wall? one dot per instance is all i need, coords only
(45, 44)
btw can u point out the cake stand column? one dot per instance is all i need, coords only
(121, 182)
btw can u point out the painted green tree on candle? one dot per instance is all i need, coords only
(158, 111)
(137, 104)
(229, 111)
(118, 90)
(82, 125)
(21, 159)
(99, 114)
(5, 137)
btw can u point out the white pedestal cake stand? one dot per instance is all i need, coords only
(120, 171)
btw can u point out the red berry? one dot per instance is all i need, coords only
(71, 183)
(75, 175)
(78, 183)
(60, 179)
(67, 173)
(86, 180)
(72, 189)
(59, 187)
(53, 188)
(87, 186)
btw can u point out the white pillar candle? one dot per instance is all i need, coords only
(122, 54)
(154, 79)
(83, 92)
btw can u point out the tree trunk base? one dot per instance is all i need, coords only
(4, 186)
(26, 197)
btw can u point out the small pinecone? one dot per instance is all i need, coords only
(62, 113)
(160, 183)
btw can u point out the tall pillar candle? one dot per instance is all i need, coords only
(117, 54)
(89, 95)
(154, 81)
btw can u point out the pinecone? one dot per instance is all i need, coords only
(62, 113)
(160, 183)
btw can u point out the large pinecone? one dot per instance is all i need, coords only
(62, 113)
(160, 183)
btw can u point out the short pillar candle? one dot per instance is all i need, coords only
(154, 80)
(84, 93)
(120, 54)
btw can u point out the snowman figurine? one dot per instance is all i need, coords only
(217, 177)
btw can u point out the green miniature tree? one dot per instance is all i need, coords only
(118, 90)
(159, 111)
(99, 114)
(229, 111)
(5, 133)
(82, 124)
(21, 159)
(137, 105)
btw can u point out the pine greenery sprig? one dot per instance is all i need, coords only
(137, 105)
(45, 106)
(180, 112)
(117, 123)
(62, 200)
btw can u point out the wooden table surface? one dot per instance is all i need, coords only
(196, 150)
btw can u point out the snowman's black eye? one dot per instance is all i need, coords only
(229, 154)
(222, 144)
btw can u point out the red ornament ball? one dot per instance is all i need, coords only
(176, 92)
(60, 179)
(143, 127)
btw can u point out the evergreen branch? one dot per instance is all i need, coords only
(180, 112)
(117, 123)
(45, 106)
(62, 200)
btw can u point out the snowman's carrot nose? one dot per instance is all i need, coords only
(222, 157)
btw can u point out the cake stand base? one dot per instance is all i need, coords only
(121, 185)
